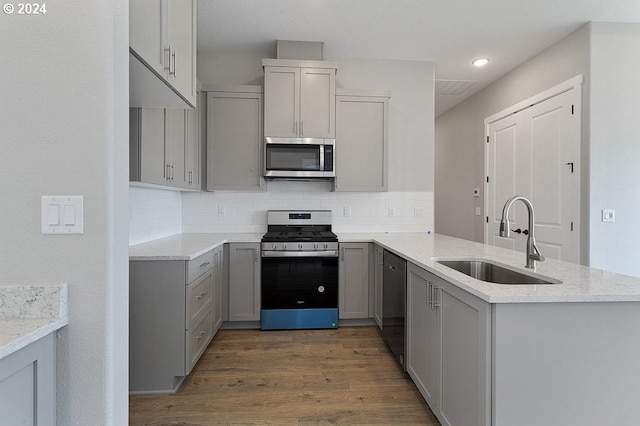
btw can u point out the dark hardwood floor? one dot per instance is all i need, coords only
(301, 377)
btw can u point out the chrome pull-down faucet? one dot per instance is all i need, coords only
(533, 253)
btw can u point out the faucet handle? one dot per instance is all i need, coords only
(520, 231)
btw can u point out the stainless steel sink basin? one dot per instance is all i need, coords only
(492, 273)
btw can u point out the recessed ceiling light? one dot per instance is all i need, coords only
(480, 62)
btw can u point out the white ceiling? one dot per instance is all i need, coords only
(449, 33)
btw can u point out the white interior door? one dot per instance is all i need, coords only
(535, 153)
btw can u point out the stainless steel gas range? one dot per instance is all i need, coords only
(299, 271)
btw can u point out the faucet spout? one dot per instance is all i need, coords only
(533, 253)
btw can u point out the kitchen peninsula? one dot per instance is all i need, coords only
(29, 317)
(505, 354)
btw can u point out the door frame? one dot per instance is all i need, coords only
(572, 83)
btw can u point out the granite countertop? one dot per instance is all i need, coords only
(579, 283)
(30, 312)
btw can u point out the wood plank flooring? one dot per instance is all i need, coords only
(301, 377)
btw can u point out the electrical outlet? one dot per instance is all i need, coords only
(392, 211)
(221, 211)
(347, 212)
(478, 211)
(418, 212)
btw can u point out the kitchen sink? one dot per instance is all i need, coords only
(490, 272)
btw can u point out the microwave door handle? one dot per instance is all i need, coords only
(322, 158)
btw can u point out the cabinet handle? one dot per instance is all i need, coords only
(428, 296)
(201, 295)
(436, 304)
(202, 265)
(301, 128)
(175, 69)
(173, 172)
(168, 67)
(190, 177)
(201, 335)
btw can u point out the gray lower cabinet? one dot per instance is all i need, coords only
(244, 282)
(353, 284)
(234, 138)
(28, 384)
(449, 348)
(378, 270)
(171, 320)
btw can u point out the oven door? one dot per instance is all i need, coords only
(302, 281)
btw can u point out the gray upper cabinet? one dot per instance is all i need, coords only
(449, 348)
(146, 146)
(164, 148)
(234, 138)
(362, 138)
(162, 41)
(193, 148)
(299, 98)
(175, 132)
(353, 284)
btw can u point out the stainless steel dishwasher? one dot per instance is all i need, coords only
(393, 305)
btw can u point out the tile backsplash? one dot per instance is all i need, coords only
(158, 213)
(153, 214)
(235, 211)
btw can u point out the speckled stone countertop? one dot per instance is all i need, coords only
(579, 283)
(30, 312)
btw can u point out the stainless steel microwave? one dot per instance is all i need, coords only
(299, 158)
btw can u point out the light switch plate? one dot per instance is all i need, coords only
(62, 214)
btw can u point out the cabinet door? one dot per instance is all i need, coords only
(147, 22)
(317, 103)
(234, 141)
(282, 101)
(181, 36)
(175, 146)
(353, 283)
(218, 265)
(465, 346)
(362, 135)
(244, 282)
(422, 333)
(147, 146)
(378, 272)
(193, 147)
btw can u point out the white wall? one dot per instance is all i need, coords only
(64, 121)
(459, 147)
(615, 146)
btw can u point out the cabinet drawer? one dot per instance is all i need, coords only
(197, 340)
(199, 266)
(199, 296)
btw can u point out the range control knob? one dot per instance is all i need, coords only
(299, 246)
(321, 289)
(284, 246)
